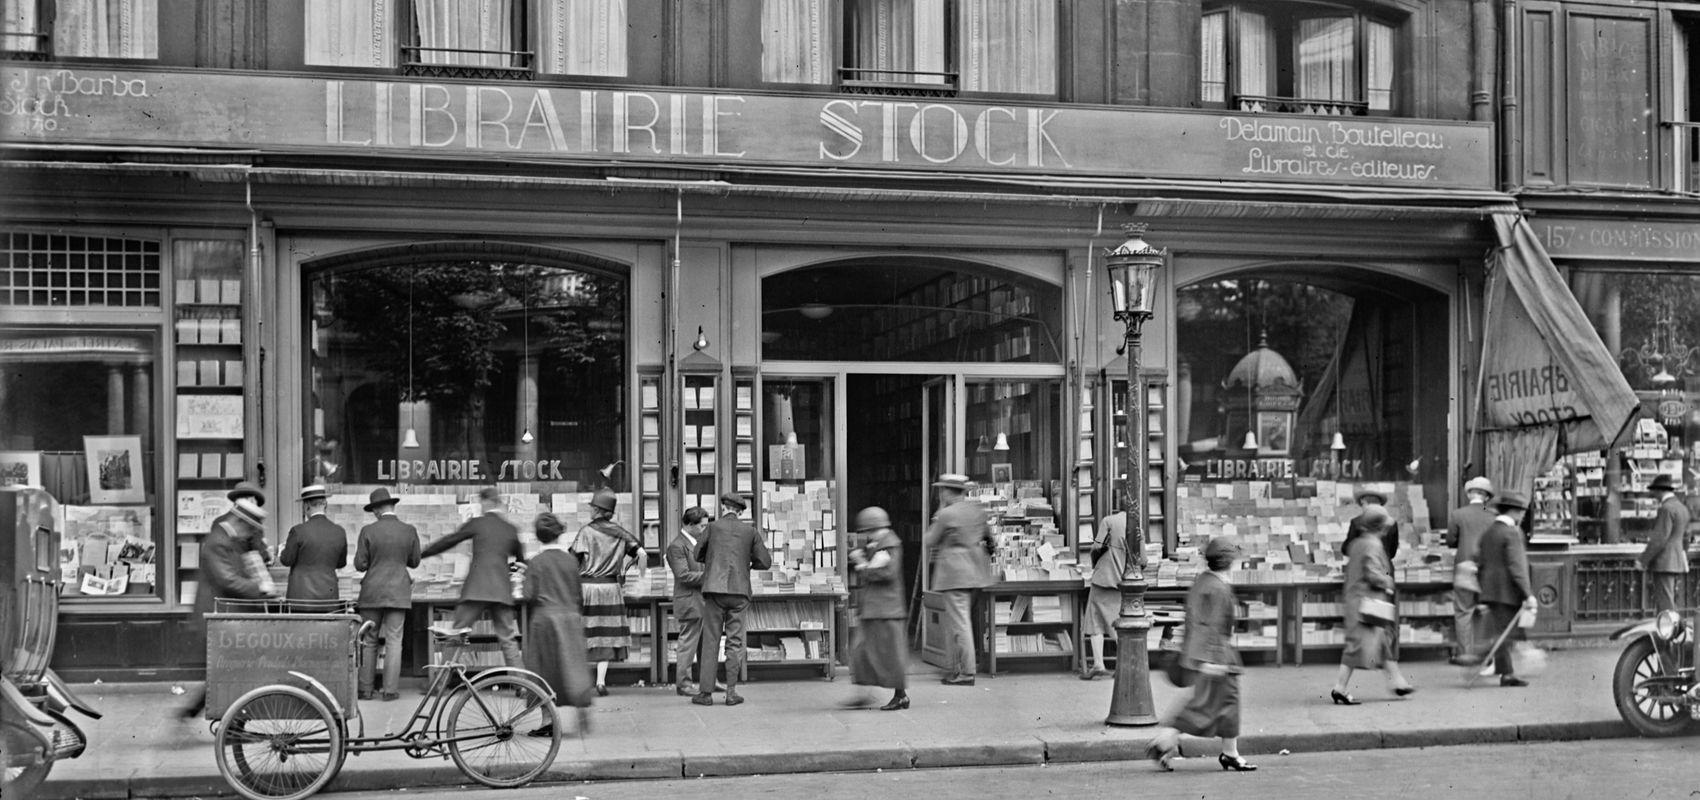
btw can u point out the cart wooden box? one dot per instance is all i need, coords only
(252, 648)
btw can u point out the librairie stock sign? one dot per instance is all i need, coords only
(589, 124)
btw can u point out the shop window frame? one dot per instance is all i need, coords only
(47, 14)
(1284, 18)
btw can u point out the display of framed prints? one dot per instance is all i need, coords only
(115, 469)
(20, 468)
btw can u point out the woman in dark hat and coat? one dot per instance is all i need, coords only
(1369, 642)
(554, 642)
(880, 657)
(1214, 708)
(605, 550)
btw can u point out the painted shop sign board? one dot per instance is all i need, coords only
(249, 650)
(606, 124)
(1619, 240)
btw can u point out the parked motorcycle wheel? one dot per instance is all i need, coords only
(1652, 709)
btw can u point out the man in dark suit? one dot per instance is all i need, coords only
(385, 551)
(488, 589)
(223, 573)
(687, 596)
(960, 539)
(1464, 529)
(314, 551)
(254, 538)
(1503, 572)
(1665, 558)
(729, 549)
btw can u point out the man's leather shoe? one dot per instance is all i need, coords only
(1512, 680)
(1464, 660)
(733, 698)
(702, 699)
(388, 696)
(365, 695)
(959, 681)
(685, 689)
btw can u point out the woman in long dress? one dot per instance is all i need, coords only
(881, 655)
(1370, 643)
(604, 550)
(554, 640)
(1214, 708)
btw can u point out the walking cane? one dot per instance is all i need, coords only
(1477, 669)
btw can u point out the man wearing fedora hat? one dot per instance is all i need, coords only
(1503, 573)
(1464, 529)
(729, 549)
(961, 537)
(315, 550)
(1665, 558)
(256, 537)
(223, 573)
(488, 589)
(385, 550)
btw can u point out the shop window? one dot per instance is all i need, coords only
(909, 310)
(463, 370)
(471, 38)
(126, 29)
(1685, 114)
(1297, 58)
(57, 271)
(77, 418)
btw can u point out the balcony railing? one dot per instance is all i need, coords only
(905, 83)
(1262, 104)
(417, 61)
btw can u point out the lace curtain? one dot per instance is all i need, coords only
(1009, 46)
(584, 37)
(349, 33)
(447, 27)
(19, 23)
(889, 39)
(1378, 63)
(1255, 48)
(794, 47)
(106, 28)
(1213, 58)
(1326, 51)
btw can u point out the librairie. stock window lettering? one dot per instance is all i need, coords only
(469, 470)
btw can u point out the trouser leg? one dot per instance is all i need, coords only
(1664, 590)
(394, 622)
(1464, 618)
(708, 656)
(690, 640)
(506, 623)
(959, 632)
(734, 606)
(369, 648)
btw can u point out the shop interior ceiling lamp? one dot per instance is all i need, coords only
(1250, 440)
(1002, 442)
(410, 439)
(815, 310)
(702, 341)
(1339, 441)
(985, 446)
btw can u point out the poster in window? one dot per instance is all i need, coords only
(785, 462)
(20, 468)
(1274, 433)
(115, 469)
(1003, 478)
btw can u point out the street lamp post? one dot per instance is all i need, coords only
(1133, 269)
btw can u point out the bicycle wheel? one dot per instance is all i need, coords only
(489, 730)
(278, 743)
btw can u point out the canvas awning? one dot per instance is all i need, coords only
(1548, 385)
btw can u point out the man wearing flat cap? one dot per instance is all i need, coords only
(315, 550)
(729, 549)
(1665, 558)
(1503, 572)
(386, 549)
(960, 539)
(488, 589)
(255, 540)
(1464, 529)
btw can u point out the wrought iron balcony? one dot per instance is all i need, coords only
(1261, 104)
(418, 61)
(902, 83)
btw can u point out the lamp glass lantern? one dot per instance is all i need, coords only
(1133, 266)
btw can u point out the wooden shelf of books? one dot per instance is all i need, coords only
(699, 451)
(1031, 622)
(648, 484)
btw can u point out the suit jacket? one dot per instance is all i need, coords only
(687, 577)
(314, 551)
(385, 551)
(494, 541)
(1504, 566)
(1464, 529)
(1667, 543)
(729, 549)
(959, 537)
(1209, 626)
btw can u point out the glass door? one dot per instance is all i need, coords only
(941, 435)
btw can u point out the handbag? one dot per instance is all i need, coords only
(1464, 576)
(1175, 669)
(1377, 610)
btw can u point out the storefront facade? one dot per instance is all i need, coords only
(824, 300)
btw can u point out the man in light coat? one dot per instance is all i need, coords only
(1665, 558)
(960, 539)
(1464, 529)
(314, 551)
(729, 549)
(1505, 588)
(387, 548)
(488, 589)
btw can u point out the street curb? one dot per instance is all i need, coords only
(900, 756)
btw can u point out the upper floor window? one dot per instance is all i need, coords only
(80, 28)
(470, 38)
(1297, 57)
(1685, 114)
(924, 47)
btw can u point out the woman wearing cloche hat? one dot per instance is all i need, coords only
(605, 550)
(1214, 708)
(881, 656)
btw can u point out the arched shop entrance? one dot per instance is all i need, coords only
(1300, 381)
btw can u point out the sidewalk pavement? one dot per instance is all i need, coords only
(141, 750)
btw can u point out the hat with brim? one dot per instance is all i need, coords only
(734, 500)
(314, 492)
(951, 480)
(1509, 500)
(246, 511)
(605, 499)
(381, 497)
(1662, 483)
(246, 489)
(1371, 495)
(1479, 484)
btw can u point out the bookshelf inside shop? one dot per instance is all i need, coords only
(745, 435)
(1570, 501)
(1122, 433)
(699, 441)
(649, 472)
(1031, 623)
(211, 429)
(1425, 617)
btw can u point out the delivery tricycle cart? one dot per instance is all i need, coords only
(288, 737)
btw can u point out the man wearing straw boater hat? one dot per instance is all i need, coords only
(223, 573)
(729, 549)
(315, 550)
(385, 551)
(962, 538)
(1464, 529)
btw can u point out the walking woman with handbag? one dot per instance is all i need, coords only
(1372, 620)
(1214, 708)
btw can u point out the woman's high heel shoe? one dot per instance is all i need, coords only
(1341, 698)
(1235, 763)
(896, 704)
(1405, 691)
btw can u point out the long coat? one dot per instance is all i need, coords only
(314, 551)
(1667, 548)
(957, 536)
(1464, 529)
(1368, 574)
(1504, 566)
(1209, 627)
(255, 541)
(494, 541)
(554, 641)
(729, 549)
(1389, 537)
(385, 551)
(882, 590)
(687, 578)
(1112, 549)
(222, 572)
